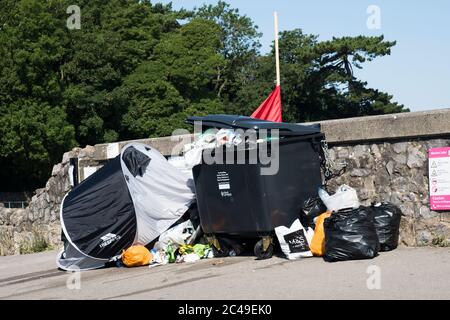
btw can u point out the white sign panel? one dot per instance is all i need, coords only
(439, 174)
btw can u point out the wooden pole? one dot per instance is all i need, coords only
(277, 52)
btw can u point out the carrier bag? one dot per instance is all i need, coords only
(177, 236)
(351, 235)
(136, 256)
(345, 197)
(295, 241)
(387, 218)
(318, 240)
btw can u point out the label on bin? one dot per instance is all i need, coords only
(224, 186)
(297, 241)
(223, 182)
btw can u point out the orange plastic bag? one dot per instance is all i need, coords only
(318, 241)
(136, 256)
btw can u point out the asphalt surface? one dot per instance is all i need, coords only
(419, 273)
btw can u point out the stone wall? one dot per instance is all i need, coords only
(37, 227)
(396, 172)
(385, 157)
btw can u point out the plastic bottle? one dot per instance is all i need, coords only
(171, 253)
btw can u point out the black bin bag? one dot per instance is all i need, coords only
(312, 208)
(351, 235)
(387, 218)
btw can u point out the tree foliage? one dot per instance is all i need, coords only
(137, 69)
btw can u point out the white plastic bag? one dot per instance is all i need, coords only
(193, 157)
(295, 241)
(344, 198)
(224, 137)
(178, 235)
(228, 137)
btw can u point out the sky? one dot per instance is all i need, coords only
(417, 73)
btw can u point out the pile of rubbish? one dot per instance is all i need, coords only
(210, 139)
(343, 229)
(141, 209)
(335, 227)
(138, 255)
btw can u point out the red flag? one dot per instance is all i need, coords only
(270, 109)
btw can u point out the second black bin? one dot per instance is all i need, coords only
(237, 200)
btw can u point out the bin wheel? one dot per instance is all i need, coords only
(260, 253)
(223, 252)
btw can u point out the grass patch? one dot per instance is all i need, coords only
(39, 244)
(441, 242)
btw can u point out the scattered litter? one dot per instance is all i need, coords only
(159, 258)
(217, 262)
(191, 257)
(201, 250)
(209, 254)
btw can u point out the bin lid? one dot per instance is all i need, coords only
(234, 122)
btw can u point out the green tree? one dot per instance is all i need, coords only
(33, 136)
(179, 81)
(317, 78)
(34, 131)
(115, 37)
(239, 38)
(137, 69)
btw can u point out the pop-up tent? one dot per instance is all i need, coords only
(131, 200)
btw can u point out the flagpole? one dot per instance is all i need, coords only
(277, 52)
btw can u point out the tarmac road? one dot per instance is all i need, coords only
(406, 273)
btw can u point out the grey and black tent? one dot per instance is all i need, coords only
(131, 200)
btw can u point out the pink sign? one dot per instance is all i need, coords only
(439, 174)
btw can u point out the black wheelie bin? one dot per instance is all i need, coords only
(238, 201)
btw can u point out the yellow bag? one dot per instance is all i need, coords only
(136, 256)
(318, 241)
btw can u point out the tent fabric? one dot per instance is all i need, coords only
(71, 259)
(161, 196)
(131, 200)
(135, 161)
(98, 216)
(270, 109)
